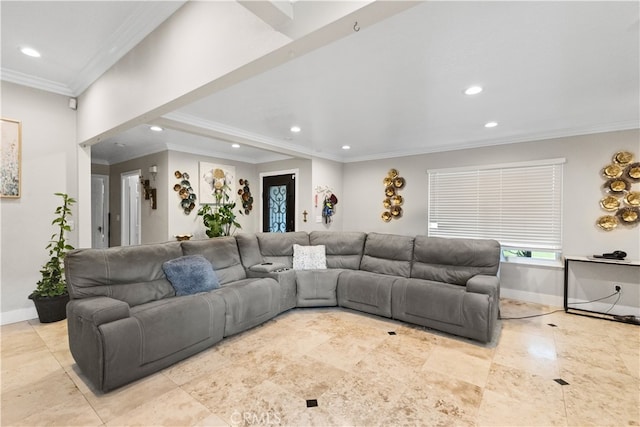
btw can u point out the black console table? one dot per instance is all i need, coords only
(582, 259)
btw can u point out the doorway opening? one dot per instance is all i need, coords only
(279, 206)
(130, 208)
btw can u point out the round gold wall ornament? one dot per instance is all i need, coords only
(632, 198)
(386, 203)
(612, 171)
(617, 185)
(392, 173)
(386, 216)
(607, 222)
(398, 182)
(610, 203)
(632, 172)
(389, 191)
(623, 157)
(629, 215)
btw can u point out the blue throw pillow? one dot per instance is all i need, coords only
(190, 274)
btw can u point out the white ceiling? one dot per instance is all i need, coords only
(548, 69)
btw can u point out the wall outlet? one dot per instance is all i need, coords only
(617, 287)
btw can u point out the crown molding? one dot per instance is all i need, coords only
(28, 80)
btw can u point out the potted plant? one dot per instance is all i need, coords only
(219, 219)
(51, 296)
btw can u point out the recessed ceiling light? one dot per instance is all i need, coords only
(119, 144)
(295, 129)
(156, 128)
(29, 51)
(491, 124)
(346, 147)
(235, 145)
(473, 90)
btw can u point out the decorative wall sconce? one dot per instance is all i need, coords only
(621, 200)
(393, 201)
(153, 170)
(150, 194)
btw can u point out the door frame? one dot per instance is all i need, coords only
(124, 219)
(105, 210)
(296, 178)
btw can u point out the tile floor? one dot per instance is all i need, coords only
(354, 370)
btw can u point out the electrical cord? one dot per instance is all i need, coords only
(574, 303)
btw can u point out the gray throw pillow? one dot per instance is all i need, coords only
(190, 274)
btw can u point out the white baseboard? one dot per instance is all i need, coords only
(546, 299)
(15, 316)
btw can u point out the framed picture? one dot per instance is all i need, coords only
(216, 179)
(10, 158)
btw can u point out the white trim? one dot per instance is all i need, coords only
(535, 297)
(296, 178)
(546, 162)
(124, 219)
(19, 315)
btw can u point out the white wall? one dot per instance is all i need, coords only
(154, 223)
(49, 165)
(326, 173)
(586, 156)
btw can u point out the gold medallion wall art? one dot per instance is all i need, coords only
(393, 201)
(621, 196)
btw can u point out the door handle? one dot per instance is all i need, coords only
(100, 229)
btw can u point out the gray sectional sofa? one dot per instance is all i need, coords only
(125, 320)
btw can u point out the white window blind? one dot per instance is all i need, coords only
(519, 205)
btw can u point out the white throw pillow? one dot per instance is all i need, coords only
(309, 257)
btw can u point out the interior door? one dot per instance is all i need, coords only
(99, 211)
(130, 209)
(278, 203)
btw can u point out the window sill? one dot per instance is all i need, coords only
(533, 262)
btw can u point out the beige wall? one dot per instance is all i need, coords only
(49, 165)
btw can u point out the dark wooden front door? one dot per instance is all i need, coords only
(278, 203)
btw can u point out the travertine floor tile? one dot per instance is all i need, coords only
(357, 373)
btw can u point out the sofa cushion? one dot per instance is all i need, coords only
(278, 247)
(190, 274)
(454, 260)
(413, 299)
(317, 288)
(132, 274)
(343, 249)
(309, 257)
(387, 254)
(364, 291)
(222, 253)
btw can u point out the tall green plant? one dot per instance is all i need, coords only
(53, 282)
(219, 219)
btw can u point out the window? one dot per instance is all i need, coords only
(517, 204)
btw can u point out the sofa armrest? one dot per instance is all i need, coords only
(287, 281)
(98, 310)
(484, 284)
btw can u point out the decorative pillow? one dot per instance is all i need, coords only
(190, 274)
(309, 257)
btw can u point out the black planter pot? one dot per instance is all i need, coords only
(51, 309)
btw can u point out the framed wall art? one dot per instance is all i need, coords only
(10, 158)
(216, 179)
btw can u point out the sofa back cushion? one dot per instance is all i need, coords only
(387, 254)
(343, 249)
(222, 253)
(278, 247)
(249, 249)
(132, 274)
(454, 260)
